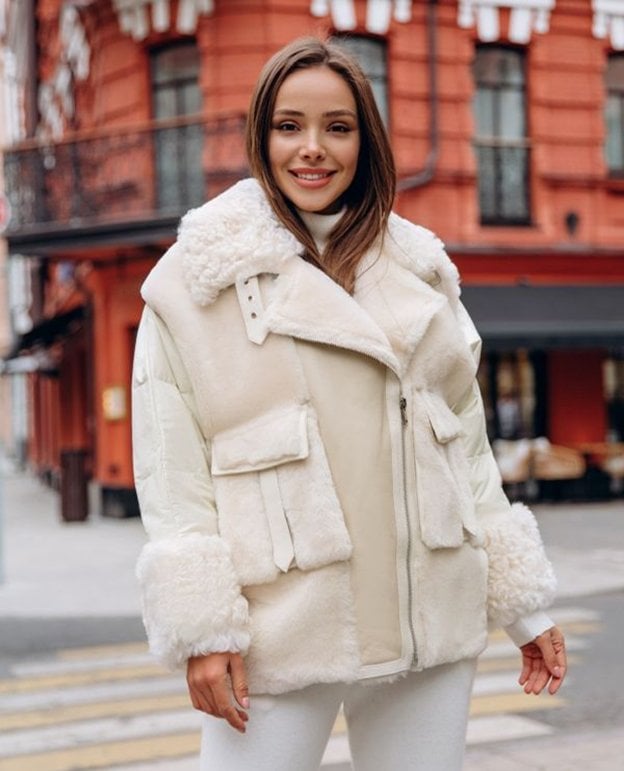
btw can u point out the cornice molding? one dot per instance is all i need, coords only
(527, 16)
(378, 14)
(134, 16)
(608, 21)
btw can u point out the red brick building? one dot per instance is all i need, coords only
(507, 120)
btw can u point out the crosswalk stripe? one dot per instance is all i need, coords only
(504, 664)
(45, 682)
(581, 626)
(125, 655)
(513, 702)
(566, 613)
(499, 682)
(55, 699)
(97, 651)
(59, 667)
(111, 706)
(89, 732)
(506, 649)
(118, 708)
(503, 728)
(108, 754)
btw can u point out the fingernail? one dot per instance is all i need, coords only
(245, 702)
(557, 671)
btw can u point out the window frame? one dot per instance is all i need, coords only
(616, 172)
(176, 83)
(339, 37)
(180, 181)
(496, 142)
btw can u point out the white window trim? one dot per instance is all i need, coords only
(134, 17)
(379, 13)
(608, 21)
(527, 16)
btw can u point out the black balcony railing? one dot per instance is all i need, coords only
(150, 173)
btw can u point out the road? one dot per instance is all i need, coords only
(79, 691)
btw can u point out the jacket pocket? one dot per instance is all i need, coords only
(445, 500)
(275, 498)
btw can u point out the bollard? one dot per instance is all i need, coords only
(74, 498)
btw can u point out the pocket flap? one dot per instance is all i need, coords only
(444, 422)
(277, 437)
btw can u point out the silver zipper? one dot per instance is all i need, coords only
(403, 406)
(408, 556)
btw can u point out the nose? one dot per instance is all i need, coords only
(311, 147)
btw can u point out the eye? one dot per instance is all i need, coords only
(339, 128)
(286, 126)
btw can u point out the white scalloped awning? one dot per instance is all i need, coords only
(527, 16)
(379, 13)
(134, 15)
(609, 21)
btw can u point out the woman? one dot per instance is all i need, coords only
(326, 518)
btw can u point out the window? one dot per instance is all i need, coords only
(614, 115)
(501, 140)
(178, 149)
(371, 55)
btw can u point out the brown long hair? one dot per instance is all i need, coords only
(370, 196)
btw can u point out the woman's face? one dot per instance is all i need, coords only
(314, 141)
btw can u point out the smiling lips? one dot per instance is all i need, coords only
(312, 178)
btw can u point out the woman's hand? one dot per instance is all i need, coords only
(214, 681)
(544, 660)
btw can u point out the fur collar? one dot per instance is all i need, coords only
(237, 235)
(232, 236)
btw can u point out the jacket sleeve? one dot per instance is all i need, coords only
(521, 580)
(192, 601)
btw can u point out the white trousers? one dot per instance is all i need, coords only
(417, 723)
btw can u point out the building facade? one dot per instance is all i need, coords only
(13, 429)
(507, 121)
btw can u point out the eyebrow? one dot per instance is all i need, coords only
(328, 114)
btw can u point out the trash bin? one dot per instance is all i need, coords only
(74, 498)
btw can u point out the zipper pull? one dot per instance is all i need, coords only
(403, 406)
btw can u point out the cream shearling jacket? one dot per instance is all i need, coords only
(312, 466)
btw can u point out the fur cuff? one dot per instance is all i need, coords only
(521, 580)
(192, 602)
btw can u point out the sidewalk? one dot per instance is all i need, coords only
(55, 569)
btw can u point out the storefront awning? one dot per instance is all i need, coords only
(42, 335)
(22, 365)
(547, 316)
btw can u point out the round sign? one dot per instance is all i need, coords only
(5, 212)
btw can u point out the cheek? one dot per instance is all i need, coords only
(277, 154)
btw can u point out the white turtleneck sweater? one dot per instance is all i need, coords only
(320, 226)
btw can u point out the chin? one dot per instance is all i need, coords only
(326, 206)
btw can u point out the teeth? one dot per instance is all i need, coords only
(312, 177)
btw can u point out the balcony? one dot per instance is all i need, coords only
(119, 187)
